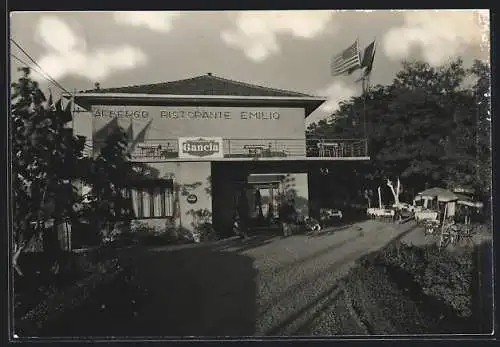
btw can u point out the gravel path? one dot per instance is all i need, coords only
(265, 286)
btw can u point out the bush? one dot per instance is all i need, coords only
(382, 306)
(441, 276)
(144, 234)
(207, 232)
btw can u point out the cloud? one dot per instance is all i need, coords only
(439, 34)
(256, 31)
(154, 20)
(67, 53)
(335, 93)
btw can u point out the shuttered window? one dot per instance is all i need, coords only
(154, 201)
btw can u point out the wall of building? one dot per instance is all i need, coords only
(185, 121)
(150, 123)
(190, 178)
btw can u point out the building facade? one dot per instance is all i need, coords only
(204, 141)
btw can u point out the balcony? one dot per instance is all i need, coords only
(261, 149)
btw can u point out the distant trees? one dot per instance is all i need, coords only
(427, 127)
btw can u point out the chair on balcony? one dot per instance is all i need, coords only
(324, 151)
(330, 149)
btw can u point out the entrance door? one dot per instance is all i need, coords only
(263, 204)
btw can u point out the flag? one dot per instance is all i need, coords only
(67, 115)
(141, 137)
(58, 105)
(348, 61)
(368, 57)
(50, 102)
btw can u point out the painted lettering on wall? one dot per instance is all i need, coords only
(260, 115)
(120, 113)
(195, 114)
(184, 115)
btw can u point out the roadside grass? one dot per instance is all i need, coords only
(41, 295)
(414, 290)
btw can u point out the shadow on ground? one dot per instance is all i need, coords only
(195, 291)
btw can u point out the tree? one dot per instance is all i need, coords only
(420, 127)
(44, 152)
(108, 176)
(482, 135)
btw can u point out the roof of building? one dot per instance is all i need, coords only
(202, 85)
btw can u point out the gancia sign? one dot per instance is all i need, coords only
(200, 147)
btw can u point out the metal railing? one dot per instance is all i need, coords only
(261, 148)
(309, 148)
(159, 150)
(336, 148)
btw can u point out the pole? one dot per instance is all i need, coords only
(477, 131)
(365, 81)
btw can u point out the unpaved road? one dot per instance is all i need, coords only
(260, 287)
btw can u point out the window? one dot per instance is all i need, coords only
(152, 200)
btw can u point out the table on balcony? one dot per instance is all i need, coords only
(254, 149)
(155, 151)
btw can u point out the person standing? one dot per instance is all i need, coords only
(243, 214)
(288, 216)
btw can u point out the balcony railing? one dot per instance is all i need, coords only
(261, 148)
(283, 148)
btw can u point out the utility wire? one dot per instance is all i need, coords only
(46, 75)
(50, 80)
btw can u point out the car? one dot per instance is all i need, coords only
(404, 206)
(329, 213)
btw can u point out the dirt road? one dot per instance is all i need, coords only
(265, 286)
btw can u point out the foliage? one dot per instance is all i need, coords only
(442, 275)
(409, 290)
(107, 175)
(382, 306)
(202, 224)
(45, 154)
(146, 235)
(47, 162)
(420, 127)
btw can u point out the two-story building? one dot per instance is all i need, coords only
(212, 138)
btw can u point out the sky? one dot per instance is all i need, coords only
(282, 49)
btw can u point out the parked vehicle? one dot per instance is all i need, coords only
(330, 213)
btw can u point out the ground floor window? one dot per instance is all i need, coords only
(152, 199)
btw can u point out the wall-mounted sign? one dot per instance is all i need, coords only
(200, 147)
(192, 199)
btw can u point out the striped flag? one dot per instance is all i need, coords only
(347, 61)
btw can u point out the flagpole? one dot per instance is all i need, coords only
(364, 89)
(73, 109)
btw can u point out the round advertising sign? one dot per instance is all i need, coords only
(192, 199)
